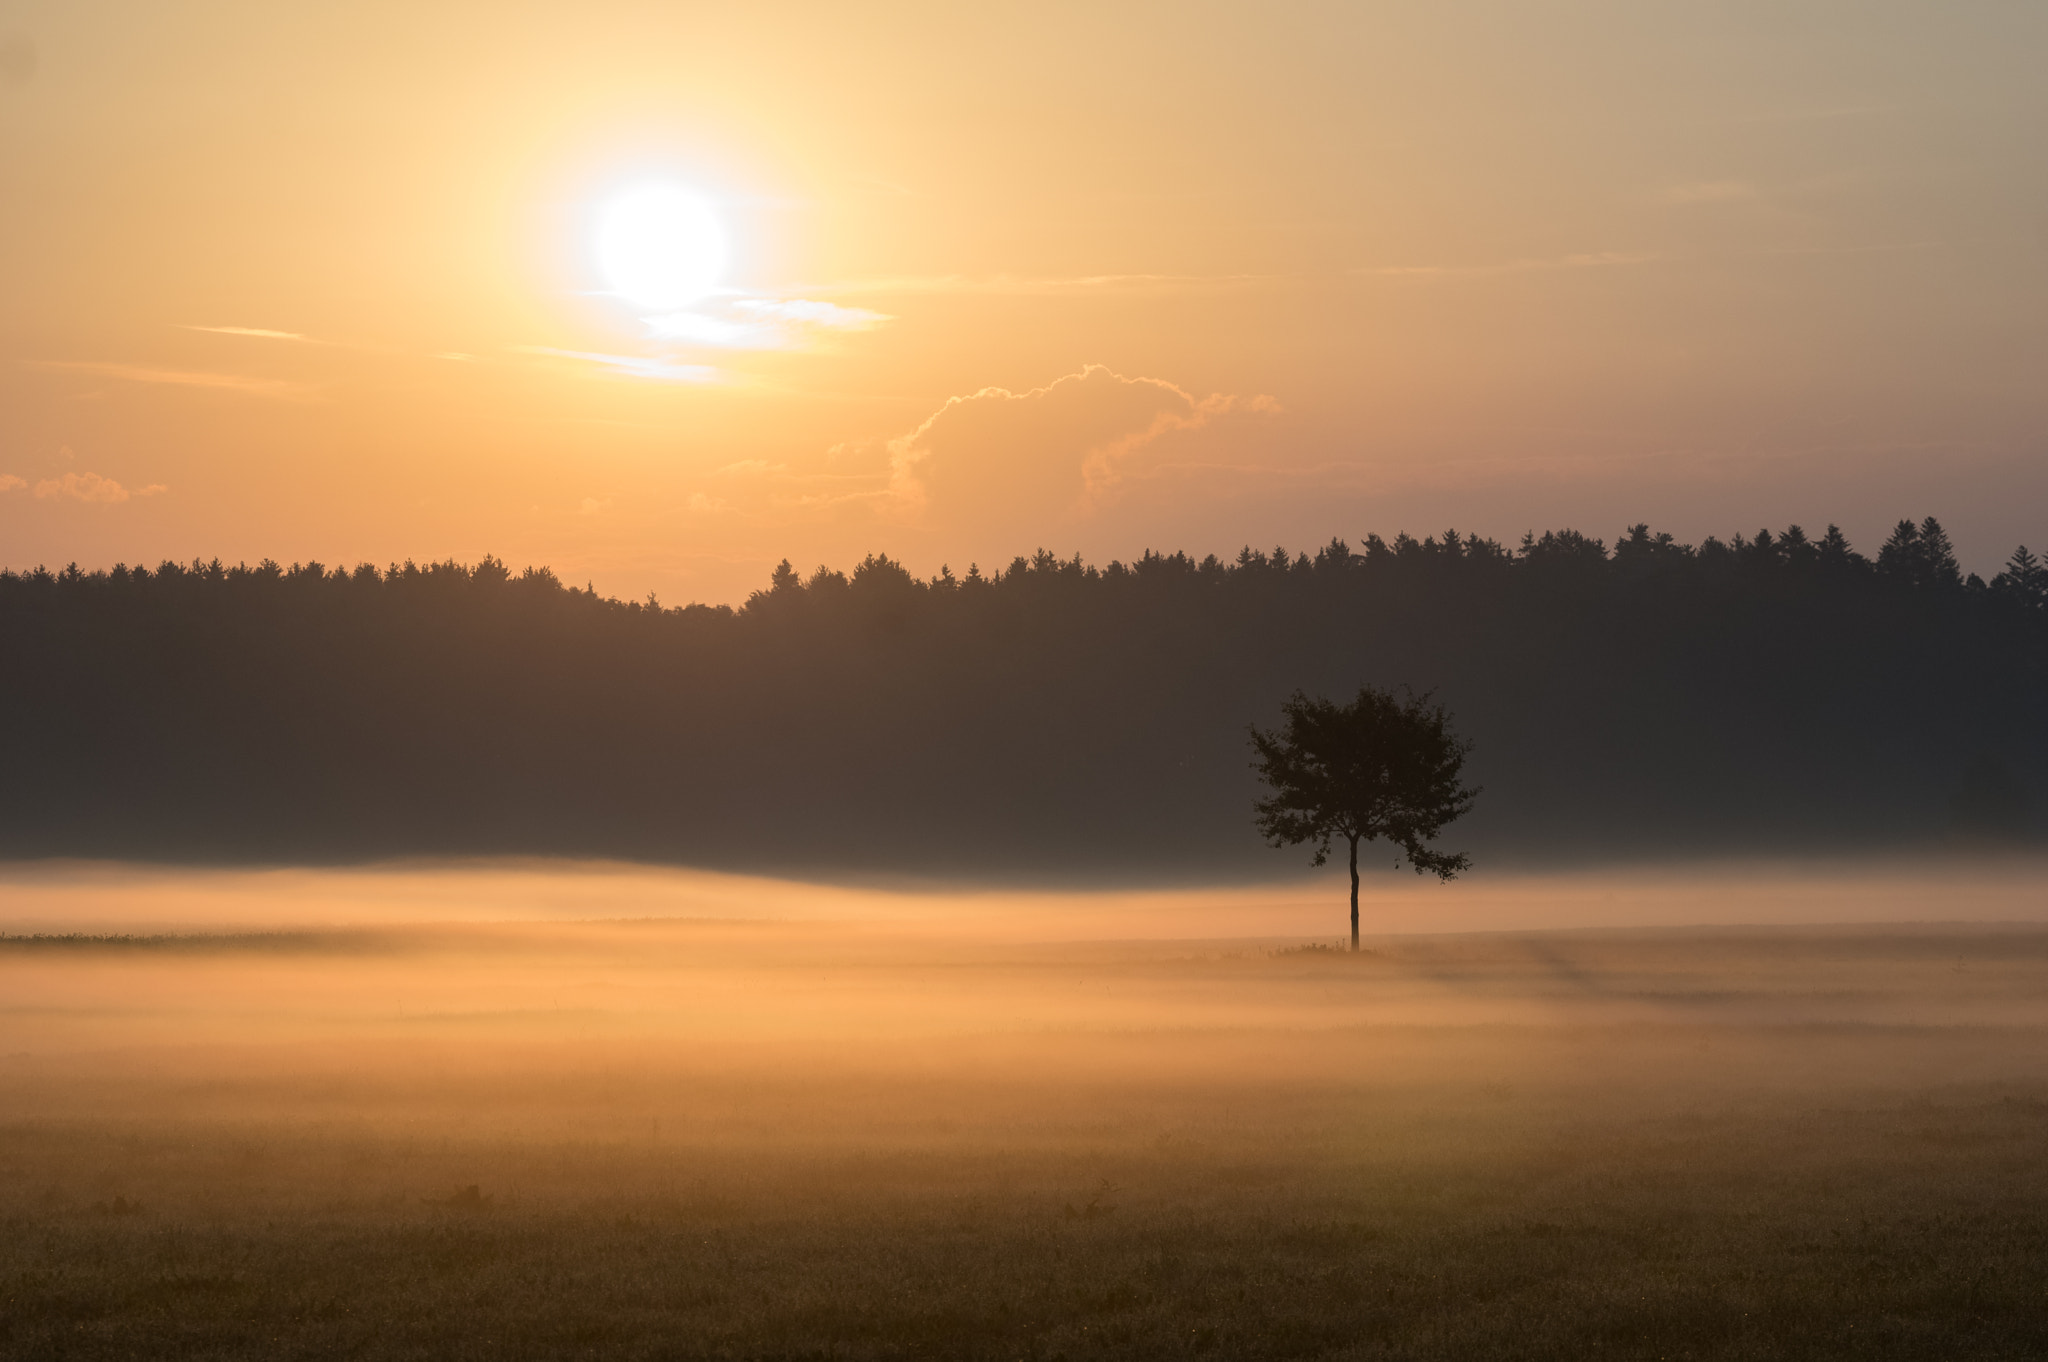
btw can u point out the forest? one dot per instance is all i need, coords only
(1049, 721)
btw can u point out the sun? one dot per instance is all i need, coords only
(660, 246)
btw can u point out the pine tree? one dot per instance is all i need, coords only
(2025, 579)
(1938, 557)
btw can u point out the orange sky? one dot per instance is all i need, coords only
(318, 281)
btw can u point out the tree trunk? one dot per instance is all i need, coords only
(1354, 894)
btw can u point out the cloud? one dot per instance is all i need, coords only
(722, 333)
(638, 366)
(258, 331)
(809, 312)
(258, 387)
(92, 487)
(592, 505)
(1060, 449)
(702, 505)
(8, 482)
(1050, 284)
(762, 323)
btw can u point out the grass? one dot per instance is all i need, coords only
(1760, 1145)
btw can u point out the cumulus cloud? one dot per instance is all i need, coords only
(91, 487)
(1062, 448)
(8, 482)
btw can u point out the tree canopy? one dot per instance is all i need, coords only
(1385, 766)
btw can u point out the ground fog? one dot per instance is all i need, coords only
(596, 1112)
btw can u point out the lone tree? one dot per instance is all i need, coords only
(1385, 765)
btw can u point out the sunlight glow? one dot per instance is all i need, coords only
(660, 247)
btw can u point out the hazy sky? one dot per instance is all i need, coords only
(322, 281)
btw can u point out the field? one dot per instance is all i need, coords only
(938, 1135)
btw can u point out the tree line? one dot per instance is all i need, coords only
(1050, 719)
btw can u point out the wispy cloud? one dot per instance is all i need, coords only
(810, 312)
(1023, 284)
(762, 323)
(92, 487)
(133, 373)
(713, 332)
(263, 333)
(637, 366)
(1592, 260)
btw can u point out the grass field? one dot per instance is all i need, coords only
(779, 1140)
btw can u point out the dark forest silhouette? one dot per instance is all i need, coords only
(1052, 719)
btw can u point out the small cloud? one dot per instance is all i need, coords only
(1051, 284)
(762, 323)
(1710, 191)
(262, 333)
(638, 366)
(592, 505)
(93, 487)
(8, 482)
(699, 328)
(809, 312)
(700, 504)
(457, 356)
(748, 468)
(258, 387)
(1052, 450)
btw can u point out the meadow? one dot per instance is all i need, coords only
(953, 1132)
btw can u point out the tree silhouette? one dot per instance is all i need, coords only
(1920, 556)
(1042, 717)
(1383, 766)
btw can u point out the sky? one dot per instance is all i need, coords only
(330, 282)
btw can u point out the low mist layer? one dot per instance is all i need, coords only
(913, 1124)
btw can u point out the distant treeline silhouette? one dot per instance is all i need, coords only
(1051, 719)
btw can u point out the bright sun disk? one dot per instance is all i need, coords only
(660, 247)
